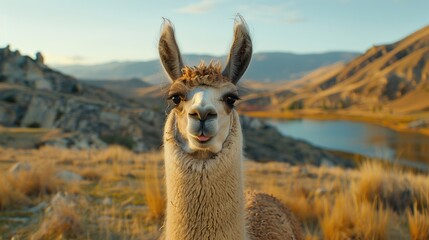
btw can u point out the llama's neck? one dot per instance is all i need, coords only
(204, 197)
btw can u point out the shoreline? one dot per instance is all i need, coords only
(394, 122)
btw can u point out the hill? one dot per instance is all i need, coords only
(73, 114)
(391, 78)
(265, 67)
(35, 96)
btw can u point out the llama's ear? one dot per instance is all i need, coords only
(169, 51)
(240, 53)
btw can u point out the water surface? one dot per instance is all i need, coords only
(362, 138)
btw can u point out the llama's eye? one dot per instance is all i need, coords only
(176, 99)
(230, 99)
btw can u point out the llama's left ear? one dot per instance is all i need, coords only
(240, 53)
(169, 51)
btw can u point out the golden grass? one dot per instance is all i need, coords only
(114, 154)
(40, 180)
(16, 188)
(349, 218)
(154, 190)
(307, 208)
(371, 202)
(418, 223)
(63, 222)
(367, 203)
(379, 183)
(8, 196)
(91, 174)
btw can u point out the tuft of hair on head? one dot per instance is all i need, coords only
(214, 68)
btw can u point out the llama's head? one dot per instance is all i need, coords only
(204, 95)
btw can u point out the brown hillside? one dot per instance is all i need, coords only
(387, 78)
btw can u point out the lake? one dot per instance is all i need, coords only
(363, 138)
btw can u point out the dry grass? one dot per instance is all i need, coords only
(40, 180)
(17, 188)
(123, 196)
(114, 154)
(349, 218)
(382, 184)
(418, 222)
(8, 196)
(306, 206)
(62, 222)
(367, 203)
(91, 174)
(154, 190)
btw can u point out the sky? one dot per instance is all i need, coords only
(98, 31)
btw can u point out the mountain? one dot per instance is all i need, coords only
(73, 114)
(265, 67)
(35, 96)
(391, 78)
(125, 88)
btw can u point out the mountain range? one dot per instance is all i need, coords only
(265, 67)
(46, 107)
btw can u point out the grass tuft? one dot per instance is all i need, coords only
(418, 222)
(352, 219)
(62, 223)
(154, 191)
(40, 180)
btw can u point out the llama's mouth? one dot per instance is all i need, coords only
(203, 139)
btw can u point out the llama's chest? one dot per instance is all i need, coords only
(204, 210)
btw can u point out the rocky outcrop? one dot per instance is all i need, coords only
(18, 69)
(263, 143)
(76, 140)
(33, 95)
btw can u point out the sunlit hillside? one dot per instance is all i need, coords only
(390, 78)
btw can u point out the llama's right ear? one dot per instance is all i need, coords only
(240, 53)
(169, 51)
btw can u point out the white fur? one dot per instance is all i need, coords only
(202, 99)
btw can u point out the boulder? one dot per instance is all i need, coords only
(69, 176)
(107, 201)
(39, 58)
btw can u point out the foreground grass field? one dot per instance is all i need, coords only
(115, 194)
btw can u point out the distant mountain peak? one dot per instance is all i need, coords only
(266, 66)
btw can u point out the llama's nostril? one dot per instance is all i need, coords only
(211, 116)
(194, 115)
(203, 115)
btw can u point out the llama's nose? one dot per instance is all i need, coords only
(203, 114)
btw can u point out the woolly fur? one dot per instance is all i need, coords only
(205, 197)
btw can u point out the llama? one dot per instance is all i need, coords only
(203, 152)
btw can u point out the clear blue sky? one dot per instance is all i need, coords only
(95, 31)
